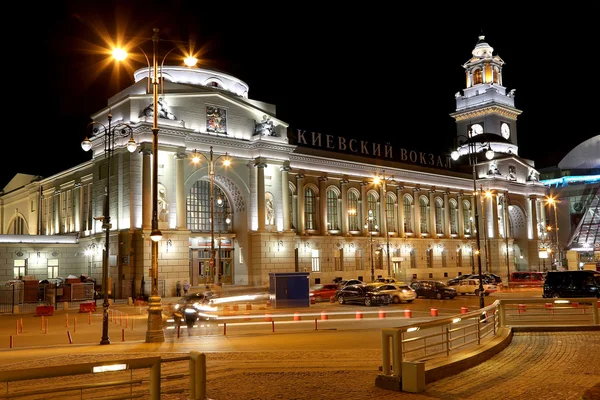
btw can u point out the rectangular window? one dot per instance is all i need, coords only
(358, 260)
(413, 259)
(459, 256)
(439, 219)
(429, 256)
(339, 260)
(19, 269)
(316, 261)
(444, 259)
(53, 268)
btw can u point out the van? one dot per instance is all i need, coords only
(572, 284)
(526, 279)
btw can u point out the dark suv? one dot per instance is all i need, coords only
(433, 289)
(572, 284)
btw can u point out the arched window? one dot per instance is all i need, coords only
(17, 226)
(453, 217)
(424, 217)
(353, 217)
(477, 76)
(310, 209)
(198, 210)
(372, 204)
(408, 220)
(390, 204)
(332, 210)
(468, 225)
(496, 75)
(439, 216)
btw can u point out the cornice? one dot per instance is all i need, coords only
(481, 112)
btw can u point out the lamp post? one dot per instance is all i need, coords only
(370, 222)
(110, 133)
(155, 333)
(381, 179)
(471, 145)
(211, 175)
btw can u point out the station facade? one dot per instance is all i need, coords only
(290, 201)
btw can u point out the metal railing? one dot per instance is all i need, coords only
(128, 378)
(439, 339)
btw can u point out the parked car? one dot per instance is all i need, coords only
(471, 286)
(346, 282)
(572, 284)
(433, 289)
(362, 294)
(527, 279)
(488, 277)
(457, 279)
(399, 292)
(388, 280)
(323, 291)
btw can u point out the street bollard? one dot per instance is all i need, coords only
(381, 314)
(70, 337)
(464, 310)
(434, 312)
(268, 317)
(407, 313)
(297, 317)
(359, 315)
(324, 315)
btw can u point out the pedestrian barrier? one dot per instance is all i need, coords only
(44, 311)
(87, 306)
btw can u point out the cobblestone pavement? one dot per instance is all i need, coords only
(549, 366)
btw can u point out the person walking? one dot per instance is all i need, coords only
(178, 288)
(186, 287)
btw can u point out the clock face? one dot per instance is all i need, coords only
(476, 129)
(505, 130)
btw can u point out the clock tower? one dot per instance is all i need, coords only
(484, 107)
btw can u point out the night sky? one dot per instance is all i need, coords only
(376, 72)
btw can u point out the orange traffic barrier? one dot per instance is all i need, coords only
(359, 315)
(381, 314)
(297, 317)
(464, 310)
(324, 315)
(434, 312)
(407, 313)
(268, 317)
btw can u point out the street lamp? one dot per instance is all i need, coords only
(155, 332)
(211, 174)
(110, 133)
(471, 145)
(381, 179)
(371, 222)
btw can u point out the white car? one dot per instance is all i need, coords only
(471, 286)
(388, 280)
(399, 292)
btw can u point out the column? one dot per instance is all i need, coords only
(401, 232)
(382, 210)
(300, 207)
(447, 230)
(260, 163)
(344, 208)
(495, 220)
(323, 204)
(432, 205)
(417, 213)
(285, 195)
(364, 213)
(180, 191)
(147, 189)
(533, 222)
(460, 224)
